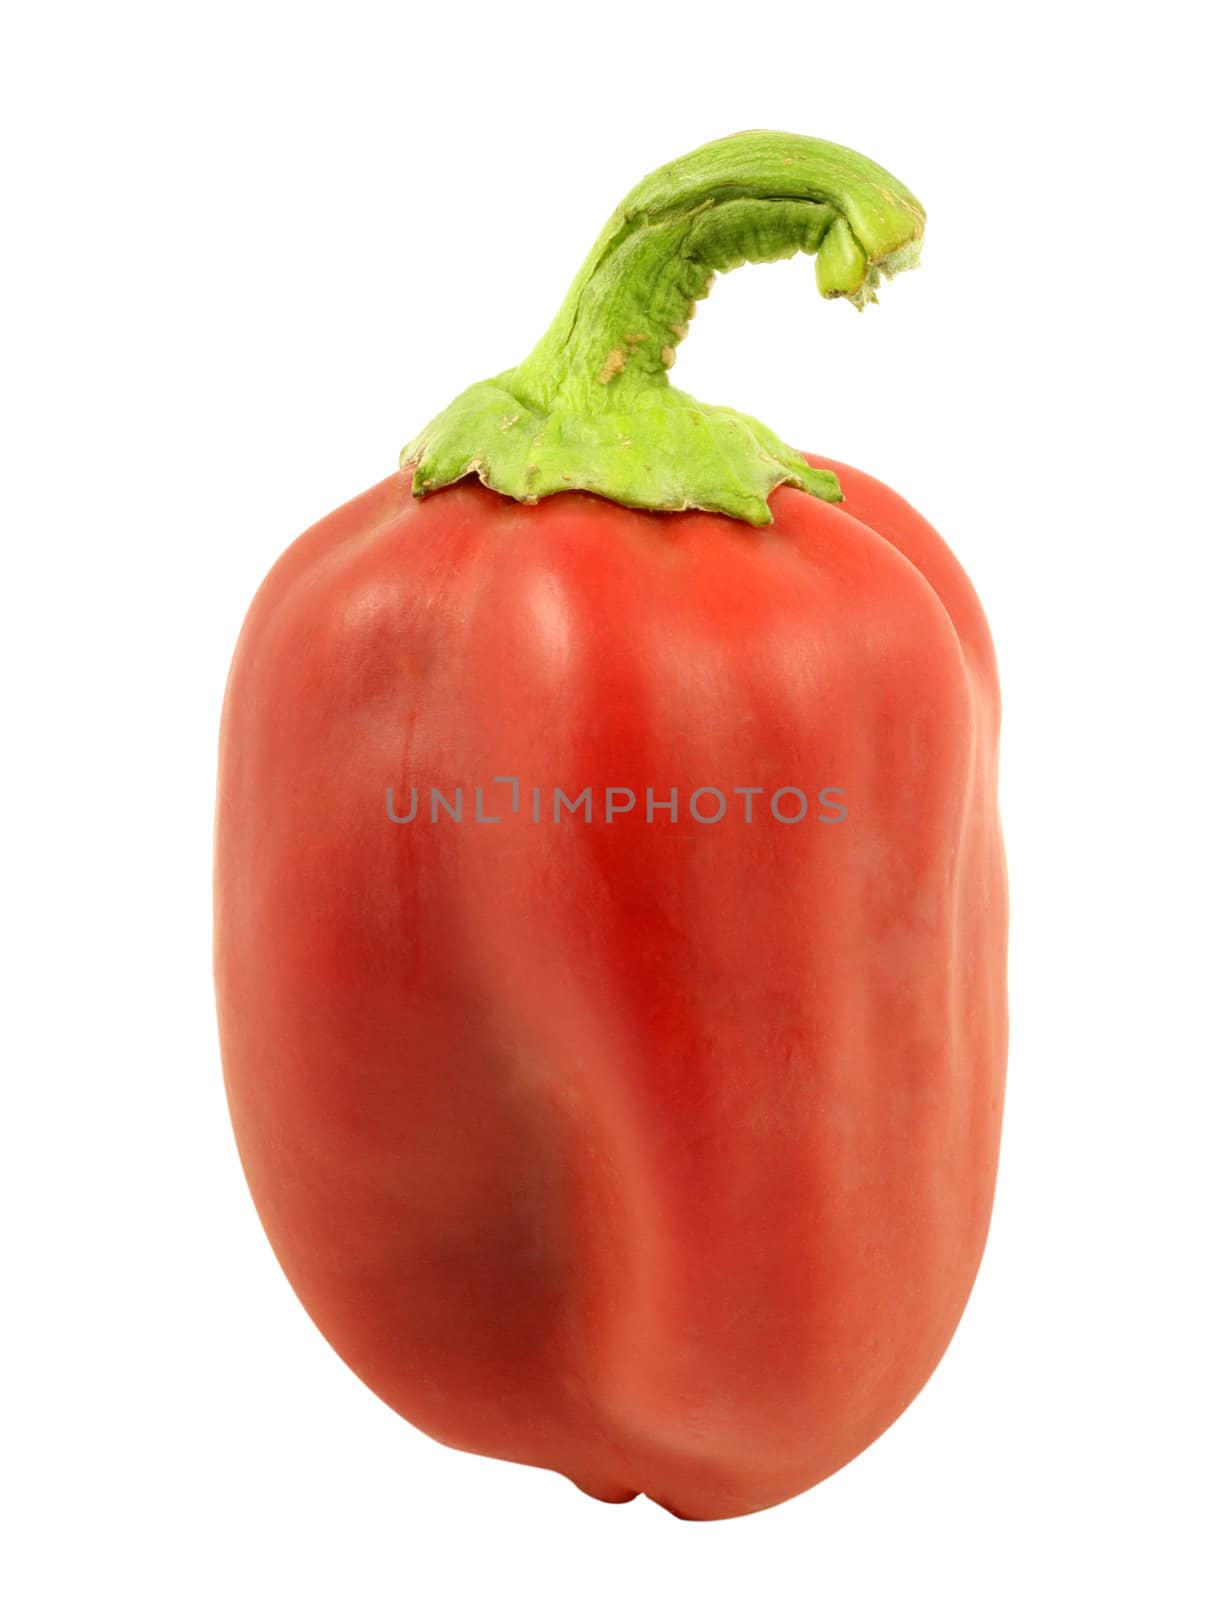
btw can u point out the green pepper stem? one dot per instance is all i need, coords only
(592, 406)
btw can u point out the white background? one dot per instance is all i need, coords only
(250, 250)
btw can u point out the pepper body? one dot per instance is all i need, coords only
(655, 1150)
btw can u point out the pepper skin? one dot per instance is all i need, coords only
(659, 1153)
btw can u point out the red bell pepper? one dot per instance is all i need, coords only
(611, 908)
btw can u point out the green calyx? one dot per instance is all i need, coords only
(592, 408)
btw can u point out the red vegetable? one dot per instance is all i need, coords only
(623, 1134)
